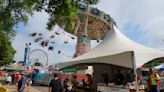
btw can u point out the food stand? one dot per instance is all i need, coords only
(15, 68)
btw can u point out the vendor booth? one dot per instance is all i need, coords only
(15, 67)
(116, 49)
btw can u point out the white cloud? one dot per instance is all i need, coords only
(146, 14)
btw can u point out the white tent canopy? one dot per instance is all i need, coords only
(116, 49)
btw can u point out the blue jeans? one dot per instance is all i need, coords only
(158, 90)
(154, 89)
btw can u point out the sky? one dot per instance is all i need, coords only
(140, 20)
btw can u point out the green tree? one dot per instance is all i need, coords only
(6, 49)
(62, 10)
(13, 12)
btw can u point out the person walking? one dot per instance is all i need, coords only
(67, 85)
(17, 78)
(55, 84)
(28, 82)
(153, 80)
(13, 78)
(89, 87)
(74, 83)
(8, 80)
(22, 83)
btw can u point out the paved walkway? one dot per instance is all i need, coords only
(12, 88)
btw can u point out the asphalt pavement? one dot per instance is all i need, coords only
(41, 88)
(36, 88)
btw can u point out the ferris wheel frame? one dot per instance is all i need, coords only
(46, 64)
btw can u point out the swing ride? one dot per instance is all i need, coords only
(91, 24)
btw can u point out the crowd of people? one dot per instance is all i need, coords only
(24, 80)
(71, 85)
(21, 80)
(151, 80)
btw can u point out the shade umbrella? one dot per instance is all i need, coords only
(160, 67)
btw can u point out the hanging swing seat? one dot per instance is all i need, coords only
(57, 33)
(52, 36)
(40, 34)
(51, 48)
(38, 39)
(53, 42)
(107, 17)
(72, 37)
(65, 42)
(59, 52)
(33, 34)
(46, 43)
(95, 11)
(82, 7)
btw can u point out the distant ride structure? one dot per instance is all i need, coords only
(38, 57)
(91, 24)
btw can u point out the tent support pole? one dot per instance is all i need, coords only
(135, 71)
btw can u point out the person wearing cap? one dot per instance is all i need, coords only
(55, 84)
(153, 80)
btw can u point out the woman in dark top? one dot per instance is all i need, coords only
(89, 84)
(55, 84)
(67, 85)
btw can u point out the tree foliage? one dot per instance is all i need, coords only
(6, 49)
(12, 12)
(59, 9)
(62, 10)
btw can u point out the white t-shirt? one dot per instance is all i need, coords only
(8, 78)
